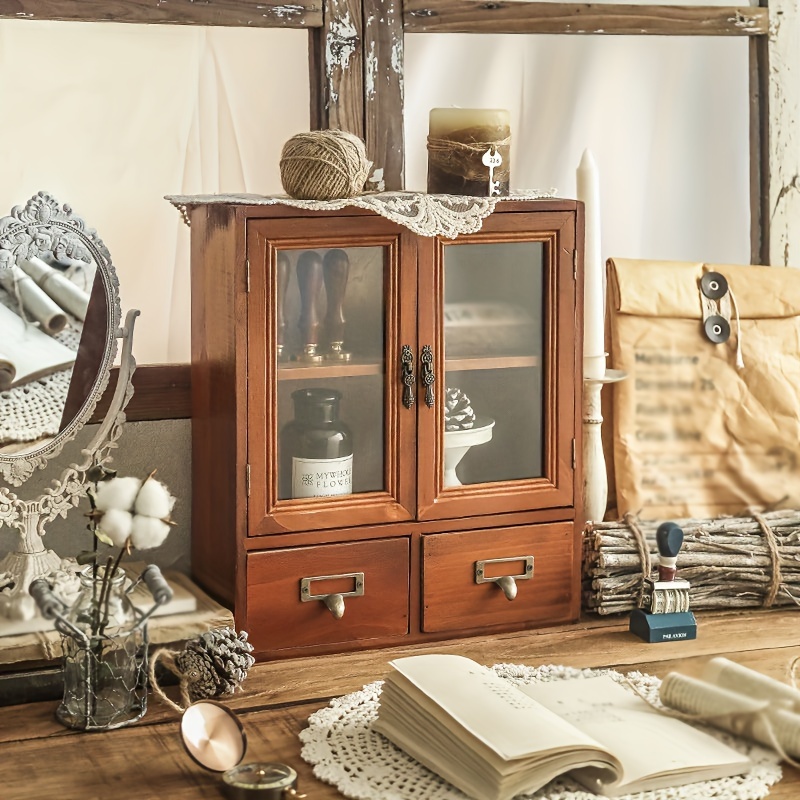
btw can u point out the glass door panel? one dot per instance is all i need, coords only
(327, 319)
(493, 336)
(331, 371)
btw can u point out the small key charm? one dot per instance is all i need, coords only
(492, 159)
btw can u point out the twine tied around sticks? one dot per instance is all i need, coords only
(643, 550)
(776, 577)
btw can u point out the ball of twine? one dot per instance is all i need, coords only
(324, 165)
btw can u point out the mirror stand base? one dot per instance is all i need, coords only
(17, 608)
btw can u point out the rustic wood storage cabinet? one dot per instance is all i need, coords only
(332, 353)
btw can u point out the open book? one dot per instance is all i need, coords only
(493, 740)
(26, 353)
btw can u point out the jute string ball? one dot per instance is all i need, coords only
(324, 165)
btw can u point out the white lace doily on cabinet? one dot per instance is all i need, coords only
(363, 765)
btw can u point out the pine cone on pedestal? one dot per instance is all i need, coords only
(215, 663)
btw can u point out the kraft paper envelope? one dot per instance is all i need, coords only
(694, 434)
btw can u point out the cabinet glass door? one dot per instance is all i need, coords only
(493, 330)
(333, 313)
(504, 400)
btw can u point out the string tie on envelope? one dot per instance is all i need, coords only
(716, 299)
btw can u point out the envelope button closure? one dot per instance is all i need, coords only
(713, 285)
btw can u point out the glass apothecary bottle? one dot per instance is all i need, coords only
(316, 447)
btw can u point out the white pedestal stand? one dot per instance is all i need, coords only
(595, 477)
(456, 444)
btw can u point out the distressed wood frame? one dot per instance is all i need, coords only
(356, 76)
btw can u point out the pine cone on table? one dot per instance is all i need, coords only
(215, 663)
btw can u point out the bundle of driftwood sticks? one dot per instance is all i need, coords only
(731, 562)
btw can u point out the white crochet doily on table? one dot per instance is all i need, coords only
(362, 764)
(425, 214)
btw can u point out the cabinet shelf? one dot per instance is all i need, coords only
(491, 362)
(298, 371)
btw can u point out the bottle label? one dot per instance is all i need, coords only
(322, 477)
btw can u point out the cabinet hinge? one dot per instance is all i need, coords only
(574, 456)
(247, 476)
(247, 275)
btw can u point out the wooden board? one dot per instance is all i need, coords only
(147, 760)
(265, 14)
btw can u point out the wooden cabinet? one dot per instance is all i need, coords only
(385, 426)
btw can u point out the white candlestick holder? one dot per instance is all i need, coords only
(595, 476)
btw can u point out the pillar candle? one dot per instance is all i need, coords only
(594, 302)
(469, 151)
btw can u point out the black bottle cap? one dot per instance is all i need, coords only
(316, 404)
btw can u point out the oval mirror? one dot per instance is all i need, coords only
(59, 318)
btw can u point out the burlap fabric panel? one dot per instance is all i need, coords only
(694, 434)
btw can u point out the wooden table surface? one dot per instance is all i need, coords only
(40, 760)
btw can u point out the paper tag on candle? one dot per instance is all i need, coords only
(492, 159)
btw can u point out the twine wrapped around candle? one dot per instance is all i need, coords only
(464, 159)
(324, 165)
(469, 151)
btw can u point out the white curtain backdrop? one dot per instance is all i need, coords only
(110, 118)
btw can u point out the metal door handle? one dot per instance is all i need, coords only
(508, 583)
(407, 375)
(428, 376)
(334, 601)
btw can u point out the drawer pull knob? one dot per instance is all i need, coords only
(335, 604)
(334, 601)
(508, 583)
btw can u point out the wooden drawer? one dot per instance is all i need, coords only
(277, 617)
(454, 600)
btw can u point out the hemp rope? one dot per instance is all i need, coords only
(168, 657)
(642, 549)
(324, 165)
(776, 577)
(452, 156)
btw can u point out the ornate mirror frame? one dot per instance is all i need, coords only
(42, 214)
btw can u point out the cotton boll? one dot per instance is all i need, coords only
(118, 493)
(148, 532)
(116, 524)
(154, 500)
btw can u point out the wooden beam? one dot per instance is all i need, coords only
(759, 149)
(160, 391)
(383, 91)
(478, 16)
(261, 14)
(782, 213)
(336, 68)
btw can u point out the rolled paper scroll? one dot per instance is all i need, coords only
(69, 296)
(35, 302)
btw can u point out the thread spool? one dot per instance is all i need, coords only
(324, 165)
